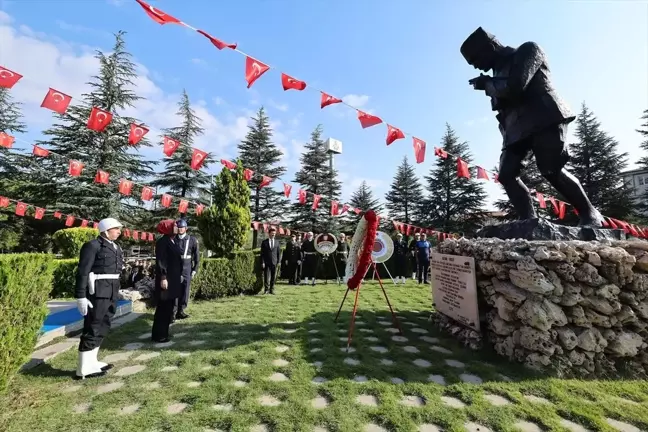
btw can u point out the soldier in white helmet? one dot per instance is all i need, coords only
(97, 289)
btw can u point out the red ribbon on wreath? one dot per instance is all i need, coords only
(367, 247)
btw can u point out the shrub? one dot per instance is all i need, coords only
(25, 284)
(220, 277)
(64, 278)
(69, 241)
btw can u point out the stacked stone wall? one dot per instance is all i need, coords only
(578, 308)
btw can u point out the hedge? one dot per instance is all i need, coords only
(64, 278)
(69, 241)
(220, 277)
(25, 284)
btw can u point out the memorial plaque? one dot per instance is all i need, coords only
(454, 288)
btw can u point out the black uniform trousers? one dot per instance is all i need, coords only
(415, 264)
(269, 276)
(400, 266)
(423, 269)
(96, 323)
(163, 317)
(182, 302)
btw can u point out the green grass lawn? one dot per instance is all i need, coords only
(279, 363)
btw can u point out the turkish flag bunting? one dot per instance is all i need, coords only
(199, 209)
(612, 224)
(170, 146)
(408, 229)
(99, 119)
(633, 230)
(440, 153)
(253, 70)
(462, 168)
(126, 233)
(248, 174)
(8, 78)
(357, 210)
(265, 181)
(368, 120)
(287, 231)
(228, 164)
(301, 194)
(287, 189)
(84, 223)
(396, 225)
(197, 159)
(334, 208)
(147, 193)
(95, 225)
(255, 225)
(561, 209)
(125, 187)
(40, 151)
(157, 15)
(393, 134)
(21, 208)
(316, 200)
(56, 101)
(135, 235)
(289, 82)
(6, 140)
(281, 230)
(40, 212)
(69, 221)
(150, 237)
(75, 168)
(419, 150)
(166, 200)
(541, 200)
(58, 215)
(184, 205)
(217, 42)
(481, 173)
(327, 100)
(555, 205)
(265, 227)
(102, 177)
(136, 133)
(345, 208)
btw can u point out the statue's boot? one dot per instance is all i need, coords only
(569, 186)
(519, 197)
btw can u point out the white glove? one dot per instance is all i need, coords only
(262, 265)
(164, 284)
(82, 305)
(193, 273)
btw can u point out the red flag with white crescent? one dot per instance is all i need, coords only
(197, 159)
(58, 215)
(393, 134)
(368, 120)
(265, 181)
(199, 209)
(255, 225)
(334, 208)
(135, 235)
(419, 149)
(147, 193)
(136, 133)
(217, 42)
(170, 146)
(287, 189)
(40, 212)
(253, 70)
(69, 221)
(302, 196)
(6, 140)
(316, 200)
(541, 200)
(99, 119)
(95, 225)
(166, 200)
(327, 100)
(462, 168)
(75, 168)
(126, 233)
(125, 187)
(248, 174)
(21, 208)
(481, 173)
(289, 83)
(40, 151)
(228, 164)
(56, 101)
(8, 78)
(84, 223)
(157, 15)
(102, 177)
(183, 206)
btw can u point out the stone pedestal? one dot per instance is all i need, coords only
(541, 229)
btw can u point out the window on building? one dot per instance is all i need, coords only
(640, 179)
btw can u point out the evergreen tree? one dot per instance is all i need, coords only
(405, 195)
(596, 162)
(453, 204)
(225, 225)
(178, 178)
(363, 199)
(108, 151)
(258, 153)
(316, 176)
(643, 161)
(10, 123)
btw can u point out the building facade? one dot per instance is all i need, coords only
(637, 180)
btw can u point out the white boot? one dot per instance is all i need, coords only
(101, 365)
(87, 366)
(305, 281)
(413, 276)
(404, 281)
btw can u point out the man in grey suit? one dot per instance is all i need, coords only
(270, 256)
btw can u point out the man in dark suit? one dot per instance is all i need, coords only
(270, 255)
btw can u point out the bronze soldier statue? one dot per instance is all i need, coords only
(532, 119)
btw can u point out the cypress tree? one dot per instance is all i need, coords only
(405, 195)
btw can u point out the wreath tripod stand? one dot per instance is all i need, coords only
(355, 306)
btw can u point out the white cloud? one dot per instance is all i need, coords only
(67, 67)
(356, 101)
(76, 28)
(278, 106)
(219, 101)
(477, 122)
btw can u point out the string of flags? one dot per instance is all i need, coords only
(24, 209)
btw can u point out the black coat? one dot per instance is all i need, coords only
(268, 255)
(99, 256)
(401, 251)
(168, 264)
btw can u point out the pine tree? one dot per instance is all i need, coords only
(453, 204)
(225, 225)
(258, 153)
(363, 199)
(405, 195)
(596, 162)
(316, 176)
(10, 123)
(643, 161)
(109, 150)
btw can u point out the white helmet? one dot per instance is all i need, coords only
(109, 223)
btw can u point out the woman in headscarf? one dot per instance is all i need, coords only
(168, 270)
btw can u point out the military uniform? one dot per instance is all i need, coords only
(188, 246)
(295, 263)
(401, 251)
(413, 258)
(286, 263)
(309, 260)
(341, 255)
